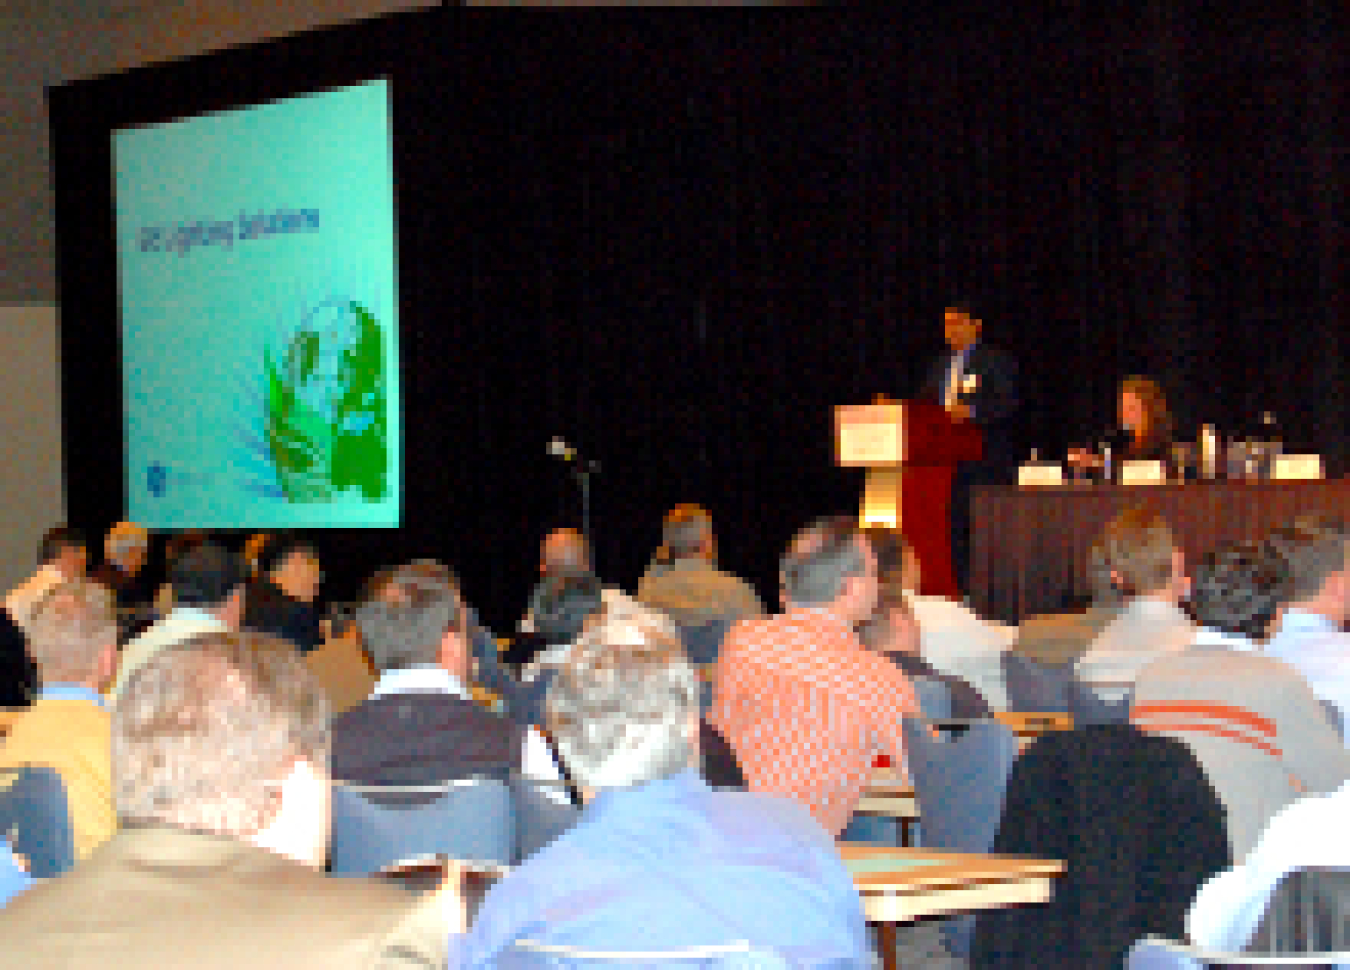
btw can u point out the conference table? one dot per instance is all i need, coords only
(904, 885)
(1029, 546)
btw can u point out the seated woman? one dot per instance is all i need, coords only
(1146, 427)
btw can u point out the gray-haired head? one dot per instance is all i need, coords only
(686, 532)
(405, 622)
(620, 707)
(820, 558)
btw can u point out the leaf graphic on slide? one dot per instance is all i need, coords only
(360, 456)
(298, 439)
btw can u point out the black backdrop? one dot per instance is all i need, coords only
(679, 240)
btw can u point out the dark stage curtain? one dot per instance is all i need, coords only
(679, 242)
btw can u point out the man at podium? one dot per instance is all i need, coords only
(975, 382)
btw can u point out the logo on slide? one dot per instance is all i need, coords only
(325, 420)
(156, 479)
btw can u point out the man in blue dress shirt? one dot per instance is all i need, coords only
(658, 860)
(1310, 637)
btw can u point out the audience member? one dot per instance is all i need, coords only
(1227, 909)
(658, 860)
(14, 877)
(1309, 635)
(562, 549)
(63, 556)
(892, 630)
(73, 635)
(125, 549)
(953, 638)
(1061, 638)
(807, 708)
(1149, 569)
(420, 725)
(683, 580)
(569, 603)
(209, 594)
(220, 750)
(175, 547)
(281, 597)
(1260, 733)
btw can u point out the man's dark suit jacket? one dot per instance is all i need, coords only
(267, 609)
(421, 738)
(994, 402)
(131, 591)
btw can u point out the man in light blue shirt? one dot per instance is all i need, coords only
(660, 861)
(14, 878)
(1309, 637)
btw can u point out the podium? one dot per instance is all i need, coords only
(910, 450)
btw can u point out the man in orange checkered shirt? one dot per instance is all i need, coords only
(806, 707)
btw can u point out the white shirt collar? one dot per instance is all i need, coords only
(1209, 637)
(425, 678)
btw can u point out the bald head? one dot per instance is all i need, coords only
(564, 549)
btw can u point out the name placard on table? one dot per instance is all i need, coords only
(1297, 467)
(1142, 473)
(1040, 474)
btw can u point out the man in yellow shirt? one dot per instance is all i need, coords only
(73, 638)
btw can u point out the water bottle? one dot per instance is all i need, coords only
(1209, 451)
(1272, 444)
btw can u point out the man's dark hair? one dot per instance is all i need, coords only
(890, 547)
(820, 558)
(1237, 587)
(281, 545)
(57, 540)
(206, 575)
(562, 601)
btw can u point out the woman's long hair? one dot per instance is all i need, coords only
(1157, 419)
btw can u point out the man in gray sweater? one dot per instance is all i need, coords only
(1252, 721)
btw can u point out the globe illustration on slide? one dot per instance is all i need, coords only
(325, 421)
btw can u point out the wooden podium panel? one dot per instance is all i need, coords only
(910, 451)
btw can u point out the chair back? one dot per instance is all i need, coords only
(35, 819)
(1309, 913)
(531, 955)
(1035, 687)
(1155, 953)
(375, 826)
(959, 784)
(935, 697)
(1088, 708)
(541, 816)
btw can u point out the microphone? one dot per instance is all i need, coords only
(559, 448)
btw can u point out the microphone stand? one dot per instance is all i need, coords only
(582, 470)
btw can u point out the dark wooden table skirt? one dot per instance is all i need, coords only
(1029, 547)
